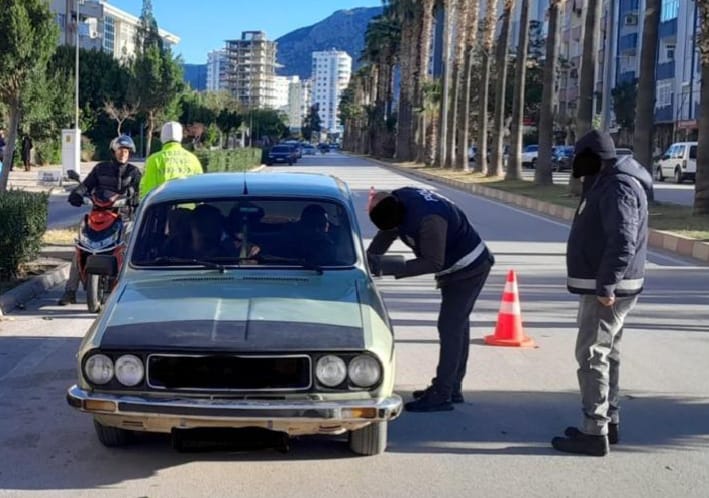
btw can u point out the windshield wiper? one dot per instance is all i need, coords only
(190, 261)
(289, 261)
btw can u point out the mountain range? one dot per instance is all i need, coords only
(344, 30)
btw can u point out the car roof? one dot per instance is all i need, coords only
(218, 185)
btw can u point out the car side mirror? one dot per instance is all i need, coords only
(665, 157)
(73, 175)
(102, 264)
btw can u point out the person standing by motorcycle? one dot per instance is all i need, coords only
(117, 175)
(172, 162)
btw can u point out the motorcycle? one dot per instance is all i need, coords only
(101, 232)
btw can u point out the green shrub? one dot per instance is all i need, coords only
(155, 145)
(49, 151)
(23, 221)
(88, 149)
(214, 161)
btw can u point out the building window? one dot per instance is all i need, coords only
(664, 94)
(670, 52)
(670, 10)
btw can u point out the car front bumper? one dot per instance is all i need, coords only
(294, 417)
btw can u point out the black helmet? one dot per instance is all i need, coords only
(122, 142)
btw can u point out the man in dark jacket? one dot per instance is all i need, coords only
(446, 244)
(605, 262)
(117, 176)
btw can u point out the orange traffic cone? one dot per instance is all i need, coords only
(509, 330)
(370, 198)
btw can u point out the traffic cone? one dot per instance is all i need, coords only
(508, 331)
(370, 198)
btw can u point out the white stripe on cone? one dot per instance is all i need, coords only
(509, 308)
(511, 287)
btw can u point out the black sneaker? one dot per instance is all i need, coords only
(69, 297)
(613, 434)
(582, 444)
(431, 400)
(456, 396)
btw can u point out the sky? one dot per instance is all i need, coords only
(205, 25)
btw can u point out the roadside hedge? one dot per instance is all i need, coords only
(214, 161)
(23, 221)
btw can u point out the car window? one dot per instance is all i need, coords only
(531, 148)
(693, 152)
(678, 152)
(253, 231)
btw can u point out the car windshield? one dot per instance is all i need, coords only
(281, 148)
(531, 148)
(253, 232)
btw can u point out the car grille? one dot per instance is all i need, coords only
(214, 372)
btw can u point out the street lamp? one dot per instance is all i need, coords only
(71, 138)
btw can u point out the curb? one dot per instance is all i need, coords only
(657, 239)
(34, 287)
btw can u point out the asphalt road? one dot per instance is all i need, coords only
(664, 191)
(497, 444)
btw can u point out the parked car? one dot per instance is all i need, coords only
(473, 150)
(297, 147)
(309, 150)
(678, 162)
(561, 157)
(323, 147)
(529, 156)
(281, 153)
(278, 326)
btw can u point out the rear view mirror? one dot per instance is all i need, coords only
(102, 264)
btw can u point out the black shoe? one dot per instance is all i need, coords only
(456, 396)
(582, 444)
(69, 297)
(613, 434)
(431, 400)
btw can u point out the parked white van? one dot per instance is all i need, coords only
(678, 162)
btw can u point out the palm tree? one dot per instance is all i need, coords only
(498, 132)
(701, 188)
(457, 81)
(445, 100)
(514, 168)
(463, 125)
(431, 107)
(488, 34)
(421, 76)
(645, 106)
(542, 173)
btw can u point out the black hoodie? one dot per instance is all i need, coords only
(607, 246)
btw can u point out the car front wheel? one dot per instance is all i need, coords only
(369, 440)
(658, 175)
(678, 176)
(111, 436)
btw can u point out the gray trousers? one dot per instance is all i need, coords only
(598, 356)
(72, 284)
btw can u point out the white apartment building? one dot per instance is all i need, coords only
(102, 27)
(252, 69)
(217, 70)
(281, 90)
(299, 102)
(332, 70)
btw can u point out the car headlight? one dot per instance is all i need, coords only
(364, 371)
(99, 369)
(129, 370)
(331, 370)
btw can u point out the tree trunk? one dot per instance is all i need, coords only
(405, 127)
(459, 83)
(514, 167)
(452, 117)
(464, 112)
(645, 107)
(497, 156)
(701, 187)
(422, 76)
(487, 40)
(584, 116)
(542, 173)
(13, 109)
(431, 141)
(151, 128)
(443, 115)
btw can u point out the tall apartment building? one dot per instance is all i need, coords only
(299, 101)
(281, 89)
(331, 74)
(102, 27)
(217, 70)
(252, 69)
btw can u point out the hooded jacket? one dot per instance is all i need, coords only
(170, 163)
(607, 245)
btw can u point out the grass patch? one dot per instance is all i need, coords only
(663, 216)
(60, 236)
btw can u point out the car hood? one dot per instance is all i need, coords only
(240, 314)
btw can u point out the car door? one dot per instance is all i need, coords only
(678, 158)
(692, 160)
(666, 161)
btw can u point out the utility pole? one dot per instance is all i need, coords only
(608, 63)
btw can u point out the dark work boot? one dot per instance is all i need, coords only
(432, 400)
(456, 396)
(69, 297)
(582, 444)
(613, 434)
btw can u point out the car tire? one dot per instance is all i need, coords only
(369, 440)
(658, 174)
(94, 293)
(678, 176)
(111, 437)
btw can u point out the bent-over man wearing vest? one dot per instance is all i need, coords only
(445, 244)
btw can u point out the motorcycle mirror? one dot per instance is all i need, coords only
(73, 175)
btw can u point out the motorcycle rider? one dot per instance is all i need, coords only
(117, 175)
(171, 162)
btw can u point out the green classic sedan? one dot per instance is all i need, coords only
(244, 300)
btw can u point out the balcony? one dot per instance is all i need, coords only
(628, 44)
(668, 29)
(665, 114)
(665, 71)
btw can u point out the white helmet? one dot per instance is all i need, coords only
(171, 132)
